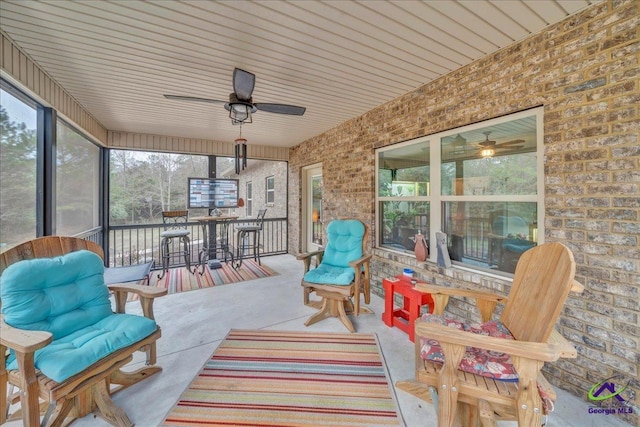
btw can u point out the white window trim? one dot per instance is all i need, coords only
(435, 199)
(249, 198)
(267, 190)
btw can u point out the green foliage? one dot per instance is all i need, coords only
(142, 184)
(18, 178)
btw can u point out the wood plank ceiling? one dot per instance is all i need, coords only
(338, 59)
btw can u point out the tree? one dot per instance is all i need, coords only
(18, 157)
(144, 184)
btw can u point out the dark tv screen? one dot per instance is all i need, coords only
(211, 193)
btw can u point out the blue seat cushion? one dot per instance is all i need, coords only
(67, 297)
(75, 352)
(329, 275)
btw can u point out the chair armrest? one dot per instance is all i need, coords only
(357, 263)
(140, 290)
(546, 352)
(433, 289)
(307, 256)
(21, 340)
(146, 294)
(577, 287)
(485, 301)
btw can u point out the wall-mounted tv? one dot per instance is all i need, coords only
(212, 193)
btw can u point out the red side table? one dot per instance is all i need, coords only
(404, 318)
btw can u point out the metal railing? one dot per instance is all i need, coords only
(134, 244)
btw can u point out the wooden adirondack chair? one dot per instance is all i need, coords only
(543, 278)
(91, 388)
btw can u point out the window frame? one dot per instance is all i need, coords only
(249, 190)
(270, 191)
(436, 198)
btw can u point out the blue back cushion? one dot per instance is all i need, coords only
(344, 245)
(344, 242)
(60, 295)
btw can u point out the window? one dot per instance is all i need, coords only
(480, 184)
(77, 182)
(271, 190)
(249, 198)
(403, 194)
(18, 173)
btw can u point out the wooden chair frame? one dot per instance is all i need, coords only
(472, 400)
(339, 301)
(87, 391)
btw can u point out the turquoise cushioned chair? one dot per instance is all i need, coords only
(77, 344)
(341, 273)
(67, 297)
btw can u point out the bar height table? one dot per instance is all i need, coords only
(209, 251)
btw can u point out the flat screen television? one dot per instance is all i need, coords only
(212, 193)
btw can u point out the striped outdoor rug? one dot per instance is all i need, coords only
(180, 280)
(273, 378)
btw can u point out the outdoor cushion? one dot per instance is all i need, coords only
(517, 246)
(59, 295)
(67, 296)
(475, 360)
(344, 245)
(175, 233)
(344, 242)
(329, 275)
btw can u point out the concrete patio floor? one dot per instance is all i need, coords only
(194, 323)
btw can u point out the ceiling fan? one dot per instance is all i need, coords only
(488, 148)
(240, 104)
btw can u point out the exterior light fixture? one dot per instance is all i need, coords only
(240, 111)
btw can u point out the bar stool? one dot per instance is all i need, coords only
(243, 236)
(175, 227)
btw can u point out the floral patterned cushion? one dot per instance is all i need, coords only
(476, 360)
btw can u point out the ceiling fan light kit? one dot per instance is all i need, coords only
(487, 152)
(240, 112)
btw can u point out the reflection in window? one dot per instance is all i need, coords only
(401, 221)
(487, 164)
(490, 234)
(77, 182)
(18, 161)
(479, 184)
(494, 160)
(403, 191)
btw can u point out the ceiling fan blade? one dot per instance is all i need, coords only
(280, 108)
(193, 98)
(514, 142)
(243, 84)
